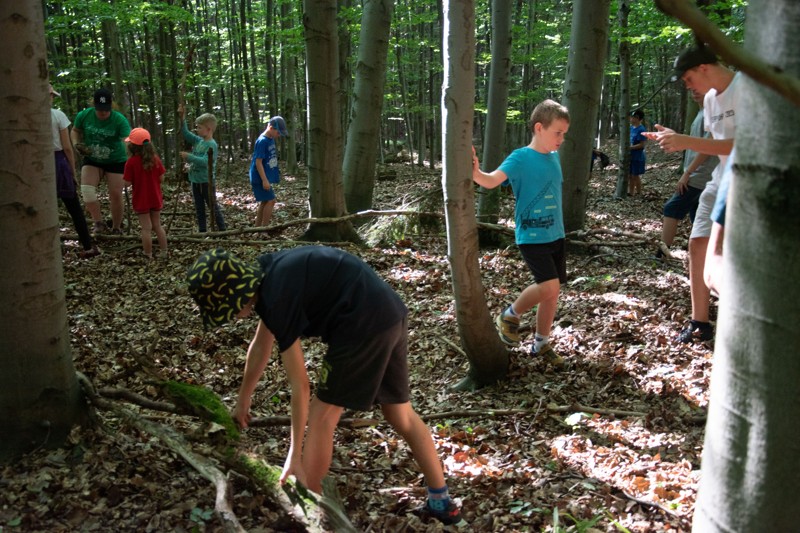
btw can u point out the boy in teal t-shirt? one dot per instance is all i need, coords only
(197, 160)
(534, 173)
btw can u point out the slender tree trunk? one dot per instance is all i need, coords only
(40, 399)
(494, 135)
(582, 91)
(488, 359)
(291, 105)
(325, 189)
(751, 455)
(624, 101)
(360, 153)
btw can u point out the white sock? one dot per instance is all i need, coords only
(539, 341)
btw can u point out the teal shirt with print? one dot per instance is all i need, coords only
(198, 158)
(536, 180)
(105, 139)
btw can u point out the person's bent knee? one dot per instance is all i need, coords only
(550, 288)
(89, 193)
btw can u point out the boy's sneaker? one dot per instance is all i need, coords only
(449, 517)
(549, 354)
(696, 331)
(100, 227)
(508, 328)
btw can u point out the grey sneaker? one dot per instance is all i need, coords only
(508, 328)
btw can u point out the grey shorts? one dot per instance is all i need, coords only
(702, 220)
(371, 371)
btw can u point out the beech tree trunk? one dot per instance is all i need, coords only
(582, 94)
(325, 189)
(494, 136)
(624, 101)
(751, 455)
(361, 151)
(488, 359)
(40, 399)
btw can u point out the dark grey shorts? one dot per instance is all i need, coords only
(372, 371)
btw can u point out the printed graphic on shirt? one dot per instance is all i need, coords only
(540, 212)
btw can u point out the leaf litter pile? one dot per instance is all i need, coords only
(610, 442)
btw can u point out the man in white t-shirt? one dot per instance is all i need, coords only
(700, 71)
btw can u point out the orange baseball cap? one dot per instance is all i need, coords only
(138, 136)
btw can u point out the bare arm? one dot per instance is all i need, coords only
(76, 135)
(66, 145)
(683, 182)
(295, 365)
(670, 141)
(258, 354)
(487, 180)
(260, 169)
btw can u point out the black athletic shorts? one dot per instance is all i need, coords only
(546, 261)
(111, 168)
(372, 371)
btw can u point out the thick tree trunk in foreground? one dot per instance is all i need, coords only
(582, 92)
(362, 135)
(488, 359)
(751, 456)
(40, 398)
(325, 189)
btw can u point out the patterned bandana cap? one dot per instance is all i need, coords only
(222, 285)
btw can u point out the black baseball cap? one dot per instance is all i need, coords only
(690, 58)
(102, 100)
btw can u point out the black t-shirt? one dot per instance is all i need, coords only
(316, 291)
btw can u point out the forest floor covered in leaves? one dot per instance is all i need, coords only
(611, 441)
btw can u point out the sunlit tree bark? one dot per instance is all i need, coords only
(362, 134)
(582, 92)
(751, 455)
(325, 189)
(488, 358)
(40, 398)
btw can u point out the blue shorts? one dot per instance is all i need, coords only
(261, 194)
(546, 261)
(680, 205)
(637, 168)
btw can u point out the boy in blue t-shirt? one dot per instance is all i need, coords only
(264, 169)
(534, 173)
(638, 158)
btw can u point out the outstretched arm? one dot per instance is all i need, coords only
(490, 180)
(670, 141)
(295, 365)
(258, 354)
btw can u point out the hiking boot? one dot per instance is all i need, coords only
(100, 227)
(549, 355)
(94, 251)
(449, 517)
(696, 331)
(508, 328)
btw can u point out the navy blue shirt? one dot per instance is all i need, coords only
(316, 291)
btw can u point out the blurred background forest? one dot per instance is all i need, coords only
(245, 61)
